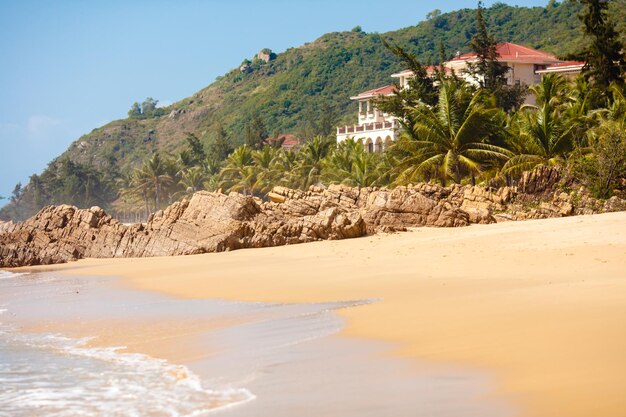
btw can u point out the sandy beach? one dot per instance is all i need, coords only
(539, 304)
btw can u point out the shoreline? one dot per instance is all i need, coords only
(540, 304)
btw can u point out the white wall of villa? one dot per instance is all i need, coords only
(377, 130)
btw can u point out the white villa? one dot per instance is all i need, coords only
(377, 129)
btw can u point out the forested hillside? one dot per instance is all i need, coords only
(303, 90)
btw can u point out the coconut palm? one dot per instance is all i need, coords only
(283, 168)
(262, 176)
(310, 158)
(450, 140)
(349, 164)
(237, 170)
(543, 133)
(192, 180)
(152, 177)
(340, 161)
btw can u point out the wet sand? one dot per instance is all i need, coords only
(279, 359)
(540, 304)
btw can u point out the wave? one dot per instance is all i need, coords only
(7, 274)
(50, 375)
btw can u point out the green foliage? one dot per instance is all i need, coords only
(421, 86)
(451, 139)
(604, 168)
(256, 133)
(196, 149)
(303, 90)
(602, 165)
(221, 147)
(543, 134)
(147, 109)
(488, 71)
(605, 54)
(64, 182)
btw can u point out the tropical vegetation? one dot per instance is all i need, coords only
(453, 132)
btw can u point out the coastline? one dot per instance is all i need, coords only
(541, 304)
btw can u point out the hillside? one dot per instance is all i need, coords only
(305, 90)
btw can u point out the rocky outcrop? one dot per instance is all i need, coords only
(5, 226)
(209, 222)
(214, 222)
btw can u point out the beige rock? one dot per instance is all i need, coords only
(214, 222)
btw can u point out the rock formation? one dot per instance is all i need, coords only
(214, 222)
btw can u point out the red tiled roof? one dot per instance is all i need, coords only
(382, 91)
(508, 52)
(287, 141)
(567, 66)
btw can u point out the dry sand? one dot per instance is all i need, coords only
(540, 304)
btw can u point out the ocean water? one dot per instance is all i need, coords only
(47, 374)
(262, 359)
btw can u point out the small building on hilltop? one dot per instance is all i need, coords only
(376, 130)
(265, 55)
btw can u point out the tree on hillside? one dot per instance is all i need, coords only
(17, 192)
(135, 111)
(195, 147)
(147, 109)
(149, 106)
(221, 146)
(605, 54)
(488, 71)
(256, 133)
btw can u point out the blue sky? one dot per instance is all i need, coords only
(69, 67)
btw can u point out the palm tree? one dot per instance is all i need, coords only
(450, 140)
(192, 180)
(283, 168)
(152, 176)
(263, 173)
(543, 133)
(237, 169)
(349, 164)
(310, 158)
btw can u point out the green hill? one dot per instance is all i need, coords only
(303, 90)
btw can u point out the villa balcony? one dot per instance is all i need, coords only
(366, 127)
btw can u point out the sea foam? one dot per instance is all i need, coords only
(50, 375)
(7, 274)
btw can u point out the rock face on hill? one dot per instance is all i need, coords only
(215, 222)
